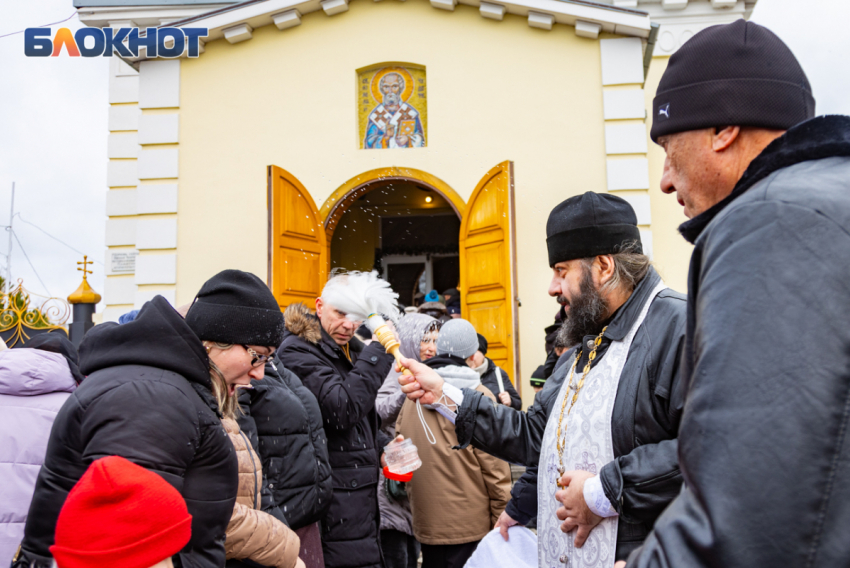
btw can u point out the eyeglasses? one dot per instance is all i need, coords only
(256, 358)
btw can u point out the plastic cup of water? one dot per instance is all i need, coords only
(402, 457)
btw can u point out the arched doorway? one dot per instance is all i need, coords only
(301, 238)
(402, 222)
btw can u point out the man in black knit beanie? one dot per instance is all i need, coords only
(763, 445)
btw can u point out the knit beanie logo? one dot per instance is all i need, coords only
(663, 112)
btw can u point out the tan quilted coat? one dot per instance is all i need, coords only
(251, 533)
(457, 495)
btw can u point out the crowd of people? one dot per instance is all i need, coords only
(666, 430)
(270, 425)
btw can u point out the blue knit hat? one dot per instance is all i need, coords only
(433, 297)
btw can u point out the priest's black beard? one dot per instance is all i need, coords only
(586, 315)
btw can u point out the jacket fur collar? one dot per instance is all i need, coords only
(815, 139)
(300, 321)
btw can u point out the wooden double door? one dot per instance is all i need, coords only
(299, 255)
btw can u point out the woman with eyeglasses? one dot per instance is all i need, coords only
(417, 334)
(156, 391)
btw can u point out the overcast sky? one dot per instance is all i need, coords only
(53, 129)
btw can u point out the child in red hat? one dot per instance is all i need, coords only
(120, 514)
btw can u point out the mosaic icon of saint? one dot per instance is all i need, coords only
(394, 123)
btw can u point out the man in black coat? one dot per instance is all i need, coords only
(763, 444)
(493, 377)
(592, 237)
(321, 351)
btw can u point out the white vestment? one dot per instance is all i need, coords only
(588, 447)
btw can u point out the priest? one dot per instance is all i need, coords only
(602, 432)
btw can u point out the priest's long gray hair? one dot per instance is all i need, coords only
(589, 309)
(630, 267)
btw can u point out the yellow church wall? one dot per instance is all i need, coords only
(671, 252)
(497, 90)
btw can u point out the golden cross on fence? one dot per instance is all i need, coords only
(85, 264)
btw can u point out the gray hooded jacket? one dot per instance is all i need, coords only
(396, 515)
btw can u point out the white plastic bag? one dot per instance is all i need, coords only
(520, 551)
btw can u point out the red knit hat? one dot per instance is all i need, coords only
(120, 514)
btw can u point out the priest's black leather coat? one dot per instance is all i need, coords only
(644, 477)
(764, 446)
(147, 397)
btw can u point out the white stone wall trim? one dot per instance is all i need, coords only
(287, 19)
(623, 104)
(156, 233)
(444, 4)
(124, 117)
(159, 83)
(159, 163)
(120, 232)
(587, 29)
(156, 269)
(122, 173)
(492, 11)
(541, 21)
(622, 61)
(156, 199)
(630, 173)
(122, 145)
(119, 290)
(239, 32)
(625, 138)
(334, 7)
(159, 128)
(646, 242)
(120, 202)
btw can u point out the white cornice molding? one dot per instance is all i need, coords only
(679, 20)
(679, 25)
(260, 13)
(140, 16)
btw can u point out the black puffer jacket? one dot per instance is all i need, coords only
(282, 419)
(644, 476)
(147, 397)
(488, 379)
(764, 446)
(346, 392)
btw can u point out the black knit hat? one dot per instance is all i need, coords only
(738, 74)
(482, 344)
(538, 377)
(589, 225)
(238, 308)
